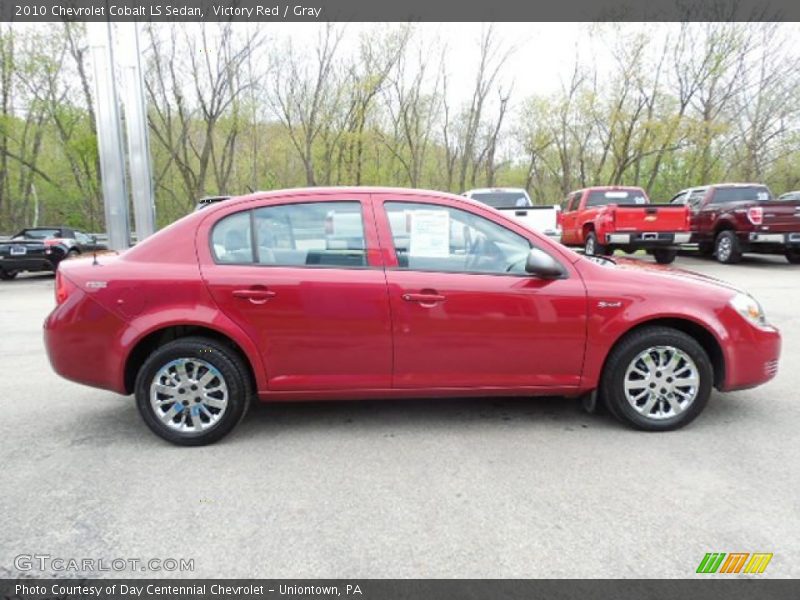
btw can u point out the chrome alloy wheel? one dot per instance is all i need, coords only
(590, 246)
(724, 249)
(661, 382)
(189, 395)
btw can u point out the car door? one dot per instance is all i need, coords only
(465, 313)
(569, 219)
(302, 277)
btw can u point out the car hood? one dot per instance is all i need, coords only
(670, 273)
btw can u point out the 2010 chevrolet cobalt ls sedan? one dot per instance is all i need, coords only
(369, 292)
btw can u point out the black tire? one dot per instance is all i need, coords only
(73, 252)
(705, 248)
(592, 247)
(8, 275)
(793, 256)
(624, 354)
(727, 248)
(664, 256)
(234, 375)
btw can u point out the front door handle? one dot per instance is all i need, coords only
(424, 298)
(256, 296)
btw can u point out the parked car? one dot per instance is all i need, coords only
(730, 219)
(42, 249)
(604, 218)
(516, 203)
(212, 311)
(789, 196)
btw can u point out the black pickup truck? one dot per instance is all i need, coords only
(42, 248)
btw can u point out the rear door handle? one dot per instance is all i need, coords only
(254, 296)
(424, 298)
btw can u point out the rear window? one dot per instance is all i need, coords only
(743, 193)
(601, 198)
(502, 199)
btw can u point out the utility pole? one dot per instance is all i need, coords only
(109, 136)
(135, 106)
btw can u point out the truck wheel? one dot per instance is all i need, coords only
(793, 256)
(192, 391)
(664, 256)
(657, 379)
(592, 247)
(6, 275)
(727, 248)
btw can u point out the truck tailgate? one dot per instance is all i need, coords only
(781, 217)
(651, 217)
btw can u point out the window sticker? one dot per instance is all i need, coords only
(430, 233)
(763, 196)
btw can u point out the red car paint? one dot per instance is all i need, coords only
(380, 331)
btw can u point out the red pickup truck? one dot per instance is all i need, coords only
(604, 218)
(729, 219)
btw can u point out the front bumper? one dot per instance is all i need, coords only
(752, 353)
(649, 239)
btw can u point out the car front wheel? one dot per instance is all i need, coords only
(8, 275)
(192, 391)
(657, 379)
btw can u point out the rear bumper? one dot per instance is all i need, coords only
(752, 354)
(769, 242)
(646, 239)
(81, 337)
(29, 263)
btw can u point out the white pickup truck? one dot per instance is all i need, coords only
(518, 205)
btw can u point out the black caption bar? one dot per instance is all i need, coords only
(399, 11)
(394, 589)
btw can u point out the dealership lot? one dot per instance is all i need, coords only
(471, 488)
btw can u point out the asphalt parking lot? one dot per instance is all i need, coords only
(471, 488)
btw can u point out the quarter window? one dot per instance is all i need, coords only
(438, 238)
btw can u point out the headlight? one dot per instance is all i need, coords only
(750, 309)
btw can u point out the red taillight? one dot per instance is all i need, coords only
(756, 215)
(64, 287)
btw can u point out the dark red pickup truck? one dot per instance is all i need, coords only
(604, 218)
(729, 219)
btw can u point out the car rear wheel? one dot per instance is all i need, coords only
(793, 256)
(192, 391)
(727, 248)
(592, 247)
(73, 253)
(7, 275)
(657, 379)
(664, 256)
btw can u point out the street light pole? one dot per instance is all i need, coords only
(109, 136)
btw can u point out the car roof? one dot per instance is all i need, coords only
(495, 190)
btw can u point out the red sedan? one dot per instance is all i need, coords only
(371, 292)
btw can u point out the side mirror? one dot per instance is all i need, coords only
(543, 265)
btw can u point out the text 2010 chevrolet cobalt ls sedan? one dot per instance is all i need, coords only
(368, 292)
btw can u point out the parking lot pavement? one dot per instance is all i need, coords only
(473, 488)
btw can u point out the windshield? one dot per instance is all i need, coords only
(603, 197)
(502, 199)
(37, 234)
(760, 193)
